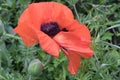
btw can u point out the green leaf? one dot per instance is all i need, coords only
(107, 36)
(114, 26)
(72, 2)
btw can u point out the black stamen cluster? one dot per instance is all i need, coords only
(51, 28)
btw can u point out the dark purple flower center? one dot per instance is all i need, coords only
(51, 28)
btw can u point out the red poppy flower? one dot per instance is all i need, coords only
(52, 25)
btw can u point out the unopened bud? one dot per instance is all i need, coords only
(35, 67)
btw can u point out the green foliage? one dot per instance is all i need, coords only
(103, 19)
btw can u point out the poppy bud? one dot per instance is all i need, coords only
(35, 67)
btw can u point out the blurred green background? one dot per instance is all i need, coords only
(101, 16)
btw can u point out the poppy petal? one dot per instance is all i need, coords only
(81, 30)
(25, 30)
(74, 61)
(71, 41)
(48, 44)
(50, 12)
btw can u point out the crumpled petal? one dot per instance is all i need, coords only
(25, 30)
(48, 44)
(73, 42)
(74, 60)
(81, 30)
(50, 12)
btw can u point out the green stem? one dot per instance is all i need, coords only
(96, 59)
(76, 13)
(30, 77)
(64, 73)
(12, 36)
(0, 60)
(48, 60)
(110, 44)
